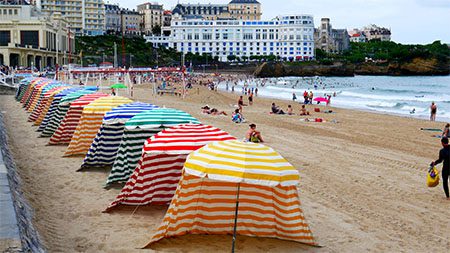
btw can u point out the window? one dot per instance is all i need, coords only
(5, 38)
(29, 38)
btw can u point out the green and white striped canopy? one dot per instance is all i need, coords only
(160, 118)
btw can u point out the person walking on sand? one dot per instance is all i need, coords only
(250, 98)
(444, 156)
(240, 103)
(294, 97)
(311, 96)
(433, 111)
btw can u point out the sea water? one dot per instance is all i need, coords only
(408, 96)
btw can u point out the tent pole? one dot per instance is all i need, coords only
(236, 217)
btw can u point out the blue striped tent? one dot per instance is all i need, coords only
(103, 150)
(137, 131)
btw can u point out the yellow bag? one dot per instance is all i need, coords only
(433, 177)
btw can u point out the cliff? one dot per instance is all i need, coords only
(417, 66)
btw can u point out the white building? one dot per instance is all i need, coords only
(288, 37)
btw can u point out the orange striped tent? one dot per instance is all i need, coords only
(65, 131)
(33, 93)
(26, 97)
(232, 187)
(44, 104)
(158, 172)
(90, 122)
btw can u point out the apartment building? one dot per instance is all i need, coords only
(245, 9)
(85, 17)
(131, 22)
(152, 15)
(113, 21)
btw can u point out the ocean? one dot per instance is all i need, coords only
(385, 94)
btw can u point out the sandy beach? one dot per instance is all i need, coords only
(363, 183)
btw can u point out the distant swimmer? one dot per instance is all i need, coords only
(373, 88)
(420, 96)
(413, 111)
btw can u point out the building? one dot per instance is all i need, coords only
(152, 15)
(245, 9)
(167, 18)
(131, 22)
(205, 11)
(358, 38)
(371, 32)
(29, 38)
(236, 9)
(331, 40)
(85, 17)
(287, 37)
(113, 21)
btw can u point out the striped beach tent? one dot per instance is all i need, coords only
(233, 187)
(66, 129)
(36, 95)
(103, 150)
(32, 90)
(158, 172)
(48, 125)
(44, 103)
(26, 96)
(23, 86)
(137, 130)
(90, 122)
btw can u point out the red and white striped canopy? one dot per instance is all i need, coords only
(183, 139)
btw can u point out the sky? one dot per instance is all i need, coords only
(411, 21)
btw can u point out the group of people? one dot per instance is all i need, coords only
(290, 111)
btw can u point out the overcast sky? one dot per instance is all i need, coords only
(411, 21)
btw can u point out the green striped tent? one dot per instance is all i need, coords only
(137, 131)
(61, 109)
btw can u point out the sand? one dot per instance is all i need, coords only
(362, 183)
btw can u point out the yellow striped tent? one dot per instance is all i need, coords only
(232, 187)
(90, 122)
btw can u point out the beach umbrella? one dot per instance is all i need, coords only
(232, 187)
(158, 172)
(119, 86)
(137, 130)
(90, 122)
(103, 150)
(320, 99)
(66, 129)
(58, 110)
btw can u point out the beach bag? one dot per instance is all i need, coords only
(432, 177)
(316, 109)
(318, 120)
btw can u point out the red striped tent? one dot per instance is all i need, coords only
(65, 131)
(159, 170)
(90, 122)
(231, 187)
(44, 104)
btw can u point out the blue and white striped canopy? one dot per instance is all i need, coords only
(123, 113)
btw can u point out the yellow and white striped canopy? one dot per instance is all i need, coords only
(105, 104)
(236, 161)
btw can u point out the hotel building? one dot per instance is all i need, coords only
(287, 37)
(152, 15)
(85, 17)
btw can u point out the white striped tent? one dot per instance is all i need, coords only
(103, 150)
(90, 122)
(158, 172)
(58, 110)
(137, 131)
(234, 186)
(66, 129)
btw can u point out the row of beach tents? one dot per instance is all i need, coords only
(213, 183)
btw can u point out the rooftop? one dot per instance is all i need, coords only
(244, 2)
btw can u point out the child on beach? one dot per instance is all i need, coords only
(303, 111)
(237, 117)
(289, 110)
(253, 135)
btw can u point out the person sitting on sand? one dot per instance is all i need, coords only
(253, 135)
(445, 132)
(289, 110)
(237, 117)
(276, 109)
(303, 111)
